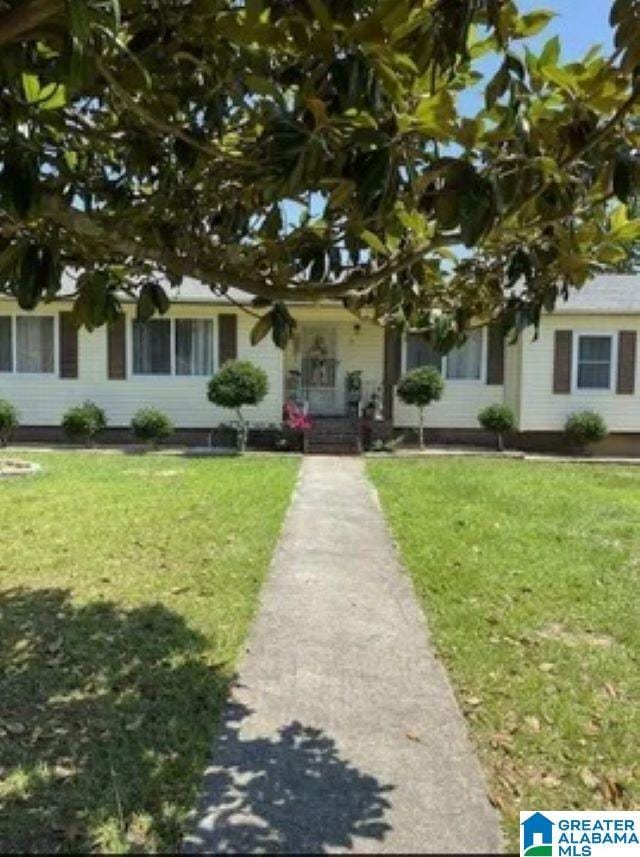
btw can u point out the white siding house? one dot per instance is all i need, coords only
(585, 357)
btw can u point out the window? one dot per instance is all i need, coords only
(152, 347)
(465, 363)
(6, 344)
(420, 352)
(594, 362)
(194, 347)
(34, 344)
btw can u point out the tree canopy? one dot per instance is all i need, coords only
(313, 149)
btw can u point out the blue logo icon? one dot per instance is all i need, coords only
(537, 836)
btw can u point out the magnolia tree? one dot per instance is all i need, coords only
(307, 149)
(420, 387)
(237, 384)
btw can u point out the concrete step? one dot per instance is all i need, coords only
(335, 449)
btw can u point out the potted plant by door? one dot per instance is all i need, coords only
(353, 384)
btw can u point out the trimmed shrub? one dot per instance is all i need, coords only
(9, 421)
(83, 422)
(151, 426)
(237, 384)
(499, 420)
(584, 428)
(420, 387)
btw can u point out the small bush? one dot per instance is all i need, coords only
(151, 426)
(420, 387)
(584, 428)
(498, 419)
(83, 422)
(9, 421)
(238, 383)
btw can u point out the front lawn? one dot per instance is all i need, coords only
(530, 577)
(127, 584)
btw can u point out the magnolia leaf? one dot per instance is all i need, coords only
(321, 13)
(374, 242)
(550, 53)
(261, 328)
(435, 114)
(619, 218)
(49, 97)
(9, 260)
(623, 173)
(71, 159)
(497, 86)
(80, 23)
(31, 87)
(533, 23)
(53, 96)
(152, 299)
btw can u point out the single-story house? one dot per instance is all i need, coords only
(585, 357)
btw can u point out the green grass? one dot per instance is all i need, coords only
(127, 584)
(530, 577)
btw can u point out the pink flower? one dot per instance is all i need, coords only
(294, 418)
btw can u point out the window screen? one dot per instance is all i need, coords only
(594, 362)
(194, 347)
(420, 352)
(152, 347)
(465, 363)
(34, 344)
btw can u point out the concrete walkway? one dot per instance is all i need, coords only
(342, 734)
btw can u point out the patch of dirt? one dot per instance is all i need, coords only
(11, 467)
(559, 634)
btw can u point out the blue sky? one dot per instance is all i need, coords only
(580, 23)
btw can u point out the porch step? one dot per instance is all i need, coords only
(334, 436)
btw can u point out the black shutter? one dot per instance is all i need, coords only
(227, 338)
(562, 357)
(68, 346)
(495, 355)
(627, 348)
(117, 349)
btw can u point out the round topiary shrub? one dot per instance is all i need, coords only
(83, 422)
(584, 428)
(499, 420)
(420, 387)
(151, 426)
(237, 384)
(9, 421)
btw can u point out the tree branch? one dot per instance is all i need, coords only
(151, 120)
(89, 228)
(601, 134)
(23, 20)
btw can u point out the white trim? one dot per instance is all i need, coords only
(613, 368)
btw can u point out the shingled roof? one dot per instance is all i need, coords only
(608, 294)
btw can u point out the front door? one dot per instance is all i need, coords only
(319, 368)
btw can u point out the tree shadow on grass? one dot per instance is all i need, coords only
(289, 794)
(106, 720)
